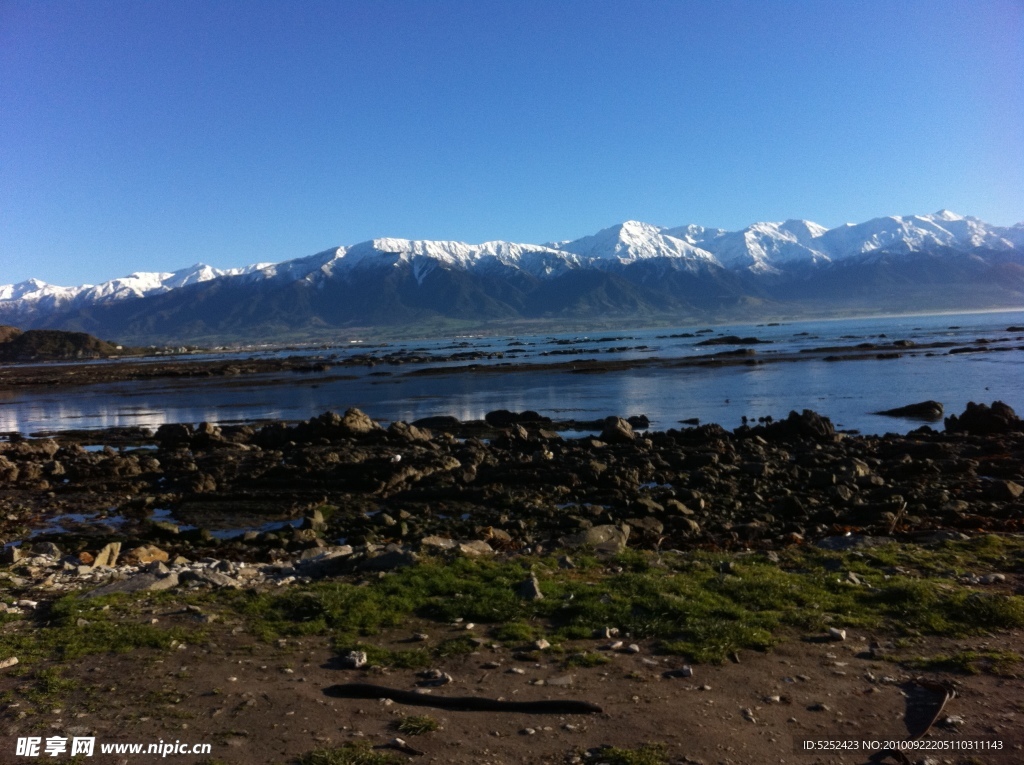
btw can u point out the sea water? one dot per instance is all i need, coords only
(849, 392)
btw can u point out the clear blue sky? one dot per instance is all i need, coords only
(152, 135)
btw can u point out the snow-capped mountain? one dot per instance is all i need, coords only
(915, 233)
(633, 267)
(32, 297)
(632, 241)
(762, 247)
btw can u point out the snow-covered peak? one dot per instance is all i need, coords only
(632, 241)
(32, 290)
(913, 233)
(760, 247)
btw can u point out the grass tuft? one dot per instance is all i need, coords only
(348, 754)
(417, 725)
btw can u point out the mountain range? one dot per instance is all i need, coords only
(631, 273)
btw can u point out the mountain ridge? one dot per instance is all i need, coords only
(630, 269)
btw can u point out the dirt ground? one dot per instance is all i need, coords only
(263, 704)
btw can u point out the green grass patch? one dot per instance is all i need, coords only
(1001, 663)
(72, 627)
(413, 658)
(417, 725)
(687, 602)
(648, 754)
(587, 659)
(348, 754)
(516, 632)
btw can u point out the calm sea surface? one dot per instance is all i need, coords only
(846, 391)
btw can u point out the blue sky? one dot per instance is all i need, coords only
(153, 135)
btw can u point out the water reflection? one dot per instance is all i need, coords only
(846, 391)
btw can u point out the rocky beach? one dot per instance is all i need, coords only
(231, 538)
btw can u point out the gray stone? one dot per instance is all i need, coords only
(438, 543)
(208, 576)
(648, 524)
(46, 548)
(332, 562)
(605, 538)
(475, 548)
(388, 561)
(136, 583)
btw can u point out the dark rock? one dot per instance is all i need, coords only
(648, 524)
(9, 555)
(925, 410)
(639, 421)
(1005, 491)
(529, 589)
(980, 419)
(807, 424)
(732, 340)
(173, 434)
(46, 548)
(442, 422)
(502, 418)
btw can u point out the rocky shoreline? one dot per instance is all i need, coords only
(243, 506)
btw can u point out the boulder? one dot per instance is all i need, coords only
(980, 419)
(807, 424)
(406, 432)
(605, 538)
(331, 562)
(137, 583)
(475, 548)
(438, 543)
(174, 434)
(503, 418)
(388, 561)
(358, 423)
(617, 431)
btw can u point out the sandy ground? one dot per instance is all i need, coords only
(259, 703)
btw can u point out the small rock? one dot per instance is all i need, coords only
(686, 671)
(355, 659)
(475, 548)
(8, 662)
(836, 634)
(529, 589)
(108, 555)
